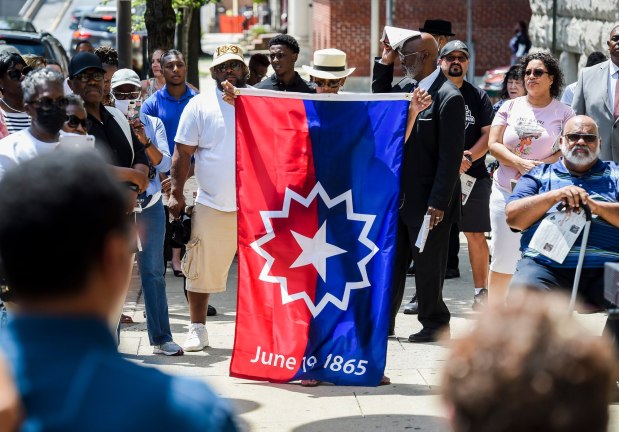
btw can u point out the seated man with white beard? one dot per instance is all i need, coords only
(578, 177)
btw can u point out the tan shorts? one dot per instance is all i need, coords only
(210, 250)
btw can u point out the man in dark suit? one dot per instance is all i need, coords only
(429, 184)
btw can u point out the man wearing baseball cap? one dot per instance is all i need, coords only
(206, 132)
(475, 221)
(113, 136)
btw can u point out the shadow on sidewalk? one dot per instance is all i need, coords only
(214, 355)
(377, 422)
(331, 390)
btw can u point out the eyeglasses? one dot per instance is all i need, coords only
(47, 103)
(403, 56)
(537, 73)
(16, 74)
(74, 121)
(85, 77)
(451, 58)
(575, 137)
(327, 83)
(126, 95)
(234, 65)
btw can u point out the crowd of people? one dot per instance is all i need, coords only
(155, 134)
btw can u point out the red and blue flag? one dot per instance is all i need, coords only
(317, 192)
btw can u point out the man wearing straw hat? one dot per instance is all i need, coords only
(329, 71)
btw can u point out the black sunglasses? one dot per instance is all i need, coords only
(16, 74)
(587, 138)
(74, 121)
(535, 72)
(327, 83)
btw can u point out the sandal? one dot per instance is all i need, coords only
(310, 383)
(384, 380)
(126, 319)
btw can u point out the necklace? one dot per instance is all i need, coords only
(16, 110)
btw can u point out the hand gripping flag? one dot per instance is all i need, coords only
(318, 192)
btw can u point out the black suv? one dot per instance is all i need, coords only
(42, 44)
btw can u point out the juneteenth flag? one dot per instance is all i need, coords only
(317, 193)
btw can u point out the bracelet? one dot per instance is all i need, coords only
(148, 144)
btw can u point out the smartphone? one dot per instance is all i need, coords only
(133, 111)
(76, 142)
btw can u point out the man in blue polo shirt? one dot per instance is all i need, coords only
(169, 102)
(578, 177)
(59, 349)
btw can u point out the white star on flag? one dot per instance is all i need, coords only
(315, 251)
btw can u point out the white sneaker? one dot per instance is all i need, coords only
(197, 338)
(168, 348)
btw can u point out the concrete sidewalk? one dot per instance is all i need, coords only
(411, 402)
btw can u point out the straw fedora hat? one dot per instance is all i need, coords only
(329, 63)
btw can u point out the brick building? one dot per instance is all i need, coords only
(345, 24)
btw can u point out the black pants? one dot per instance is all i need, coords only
(454, 247)
(430, 268)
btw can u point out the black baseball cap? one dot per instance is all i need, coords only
(82, 61)
(454, 45)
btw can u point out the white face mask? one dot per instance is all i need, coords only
(123, 104)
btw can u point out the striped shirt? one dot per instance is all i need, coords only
(602, 184)
(15, 121)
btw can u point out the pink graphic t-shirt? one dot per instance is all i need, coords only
(531, 132)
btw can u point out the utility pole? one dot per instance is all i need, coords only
(123, 33)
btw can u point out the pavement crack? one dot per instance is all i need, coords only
(358, 404)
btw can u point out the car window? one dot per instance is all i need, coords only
(16, 24)
(26, 46)
(98, 24)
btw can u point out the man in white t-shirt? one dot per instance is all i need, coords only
(207, 131)
(45, 103)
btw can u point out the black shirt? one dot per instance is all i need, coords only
(478, 114)
(272, 83)
(111, 141)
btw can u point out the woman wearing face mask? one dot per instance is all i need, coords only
(13, 69)
(45, 103)
(77, 118)
(126, 90)
(329, 71)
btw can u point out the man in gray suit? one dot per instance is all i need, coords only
(597, 95)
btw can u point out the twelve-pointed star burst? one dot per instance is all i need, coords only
(316, 250)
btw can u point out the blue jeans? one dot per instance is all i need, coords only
(151, 227)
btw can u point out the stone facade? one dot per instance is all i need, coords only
(583, 26)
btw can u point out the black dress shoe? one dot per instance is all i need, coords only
(412, 308)
(452, 273)
(426, 335)
(411, 270)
